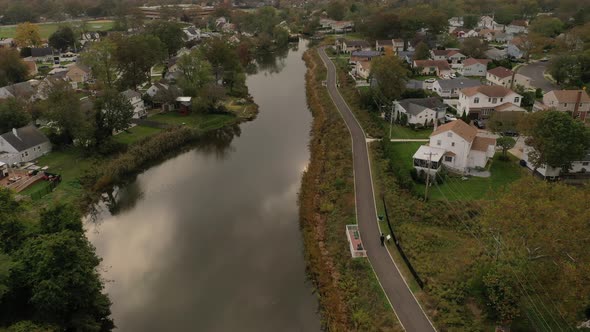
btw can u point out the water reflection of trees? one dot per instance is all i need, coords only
(271, 62)
(125, 196)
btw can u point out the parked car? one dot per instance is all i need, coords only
(430, 80)
(453, 76)
(446, 76)
(510, 133)
(479, 124)
(450, 117)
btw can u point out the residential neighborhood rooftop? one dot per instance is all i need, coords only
(501, 72)
(458, 127)
(570, 96)
(488, 90)
(24, 138)
(456, 83)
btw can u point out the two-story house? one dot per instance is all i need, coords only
(481, 101)
(136, 102)
(451, 56)
(349, 46)
(364, 55)
(456, 145)
(576, 102)
(504, 77)
(78, 74)
(439, 68)
(390, 45)
(474, 67)
(23, 145)
(450, 88)
(419, 111)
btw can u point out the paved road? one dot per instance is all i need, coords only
(535, 71)
(405, 305)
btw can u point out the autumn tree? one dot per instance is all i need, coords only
(546, 26)
(114, 113)
(542, 244)
(196, 73)
(12, 68)
(27, 35)
(336, 10)
(169, 33)
(390, 77)
(556, 139)
(474, 47)
(136, 55)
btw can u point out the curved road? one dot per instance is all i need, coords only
(405, 305)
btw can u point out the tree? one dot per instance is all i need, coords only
(470, 21)
(506, 143)
(196, 73)
(336, 10)
(101, 58)
(60, 217)
(63, 38)
(13, 115)
(136, 55)
(27, 35)
(502, 294)
(59, 269)
(505, 121)
(12, 68)
(474, 47)
(565, 69)
(63, 107)
(422, 51)
(541, 238)
(169, 33)
(556, 138)
(225, 62)
(546, 26)
(390, 77)
(114, 114)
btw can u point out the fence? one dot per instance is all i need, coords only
(400, 249)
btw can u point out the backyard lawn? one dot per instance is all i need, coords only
(135, 134)
(455, 188)
(403, 132)
(46, 29)
(195, 120)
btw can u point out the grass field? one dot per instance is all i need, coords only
(398, 131)
(46, 29)
(135, 134)
(455, 188)
(195, 120)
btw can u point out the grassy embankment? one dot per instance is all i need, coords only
(72, 163)
(351, 298)
(46, 29)
(433, 234)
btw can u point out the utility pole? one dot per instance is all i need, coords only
(428, 175)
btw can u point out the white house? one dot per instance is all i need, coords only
(362, 69)
(419, 111)
(487, 22)
(457, 146)
(474, 67)
(546, 171)
(155, 88)
(456, 21)
(516, 27)
(481, 101)
(439, 68)
(134, 98)
(23, 145)
(349, 46)
(450, 88)
(503, 77)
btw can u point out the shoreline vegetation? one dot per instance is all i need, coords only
(350, 296)
(84, 181)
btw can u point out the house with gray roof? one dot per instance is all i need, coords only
(450, 88)
(23, 145)
(136, 102)
(23, 90)
(364, 55)
(419, 111)
(42, 53)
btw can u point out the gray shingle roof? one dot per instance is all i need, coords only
(458, 83)
(415, 106)
(130, 94)
(368, 54)
(27, 137)
(41, 51)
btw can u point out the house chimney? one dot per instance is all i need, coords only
(577, 104)
(15, 133)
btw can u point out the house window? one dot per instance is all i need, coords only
(449, 159)
(585, 163)
(449, 134)
(476, 100)
(494, 100)
(452, 143)
(438, 142)
(516, 99)
(564, 104)
(501, 99)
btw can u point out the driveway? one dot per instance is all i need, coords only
(535, 71)
(404, 304)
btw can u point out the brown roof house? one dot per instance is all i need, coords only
(504, 77)
(481, 101)
(576, 102)
(457, 146)
(78, 74)
(439, 68)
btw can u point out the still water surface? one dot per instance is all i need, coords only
(209, 240)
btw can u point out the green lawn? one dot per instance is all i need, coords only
(423, 78)
(37, 187)
(46, 29)
(70, 164)
(195, 120)
(135, 134)
(455, 188)
(403, 132)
